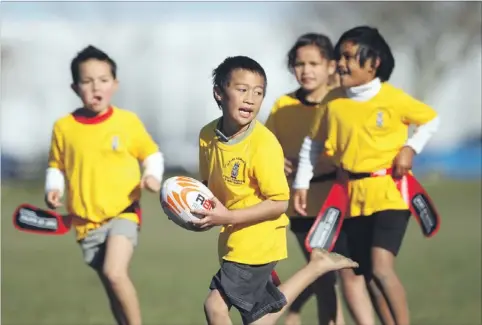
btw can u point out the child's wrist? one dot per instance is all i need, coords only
(233, 218)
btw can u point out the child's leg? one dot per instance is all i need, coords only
(328, 305)
(340, 318)
(300, 227)
(115, 305)
(119, 249)
(380, 303)
(355, 241)
(389, 230)
(225, 285)
(321, 262)
(94, 251)
(293, 316)
(216, 309)
(357, 298)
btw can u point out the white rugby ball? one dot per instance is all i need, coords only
(180, 195)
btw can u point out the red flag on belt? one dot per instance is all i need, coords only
(420, 204)
(31, 219)
(326, 228)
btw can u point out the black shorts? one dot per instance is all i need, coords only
(384, 229)
(300, 227)
(249, 289)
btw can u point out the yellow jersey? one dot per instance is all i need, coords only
(366, 136)
(290, 120)
(99, 158)
(241, 175)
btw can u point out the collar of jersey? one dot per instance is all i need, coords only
(94, 120)
(364, 92)
(236, 140)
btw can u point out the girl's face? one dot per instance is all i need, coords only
(351, 73)
(312, 70)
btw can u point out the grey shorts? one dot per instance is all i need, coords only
(93, 245)
(249, 289)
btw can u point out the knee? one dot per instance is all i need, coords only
(115, 276)
(215, 306)
(383, 273)
(349, 277)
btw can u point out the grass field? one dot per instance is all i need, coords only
(45, 282)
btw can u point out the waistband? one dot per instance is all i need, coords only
(133, 208)
(352, 176)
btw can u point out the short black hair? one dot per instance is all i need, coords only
(373, 46)
(222, 74)
(321, 41)
(89, 53)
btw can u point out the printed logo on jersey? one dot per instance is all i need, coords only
(234, 171)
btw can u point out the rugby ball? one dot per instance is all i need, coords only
(180, 195)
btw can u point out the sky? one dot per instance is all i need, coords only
(145, 11)
(186, 40)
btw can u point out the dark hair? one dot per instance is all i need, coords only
(89, 53)
(373, 46)
(222, 74)
(321, 41)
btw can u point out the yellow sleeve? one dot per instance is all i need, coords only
(268, 166)
(415, 111)
(56, 154)
(270, 122)
(143, 145)
(203, 163)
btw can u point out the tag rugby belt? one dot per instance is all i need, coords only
(31, 219)
(326, 228)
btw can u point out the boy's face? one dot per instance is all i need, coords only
(241, 99)
(96, 85)
(351, 73)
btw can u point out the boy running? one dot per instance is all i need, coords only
(243, 165)
(96, 151)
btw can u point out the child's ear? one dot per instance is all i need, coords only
(375, 65)
(116, 84)
(75, 89)
(332, 67)
(217, 93)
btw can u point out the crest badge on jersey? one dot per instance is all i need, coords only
(235, 170)
(379, 119)
(115, 143)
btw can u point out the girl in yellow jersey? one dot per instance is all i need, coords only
(312, 61)
(365, 130)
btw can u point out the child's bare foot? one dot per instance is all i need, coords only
(293, 319)
(326, 261)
